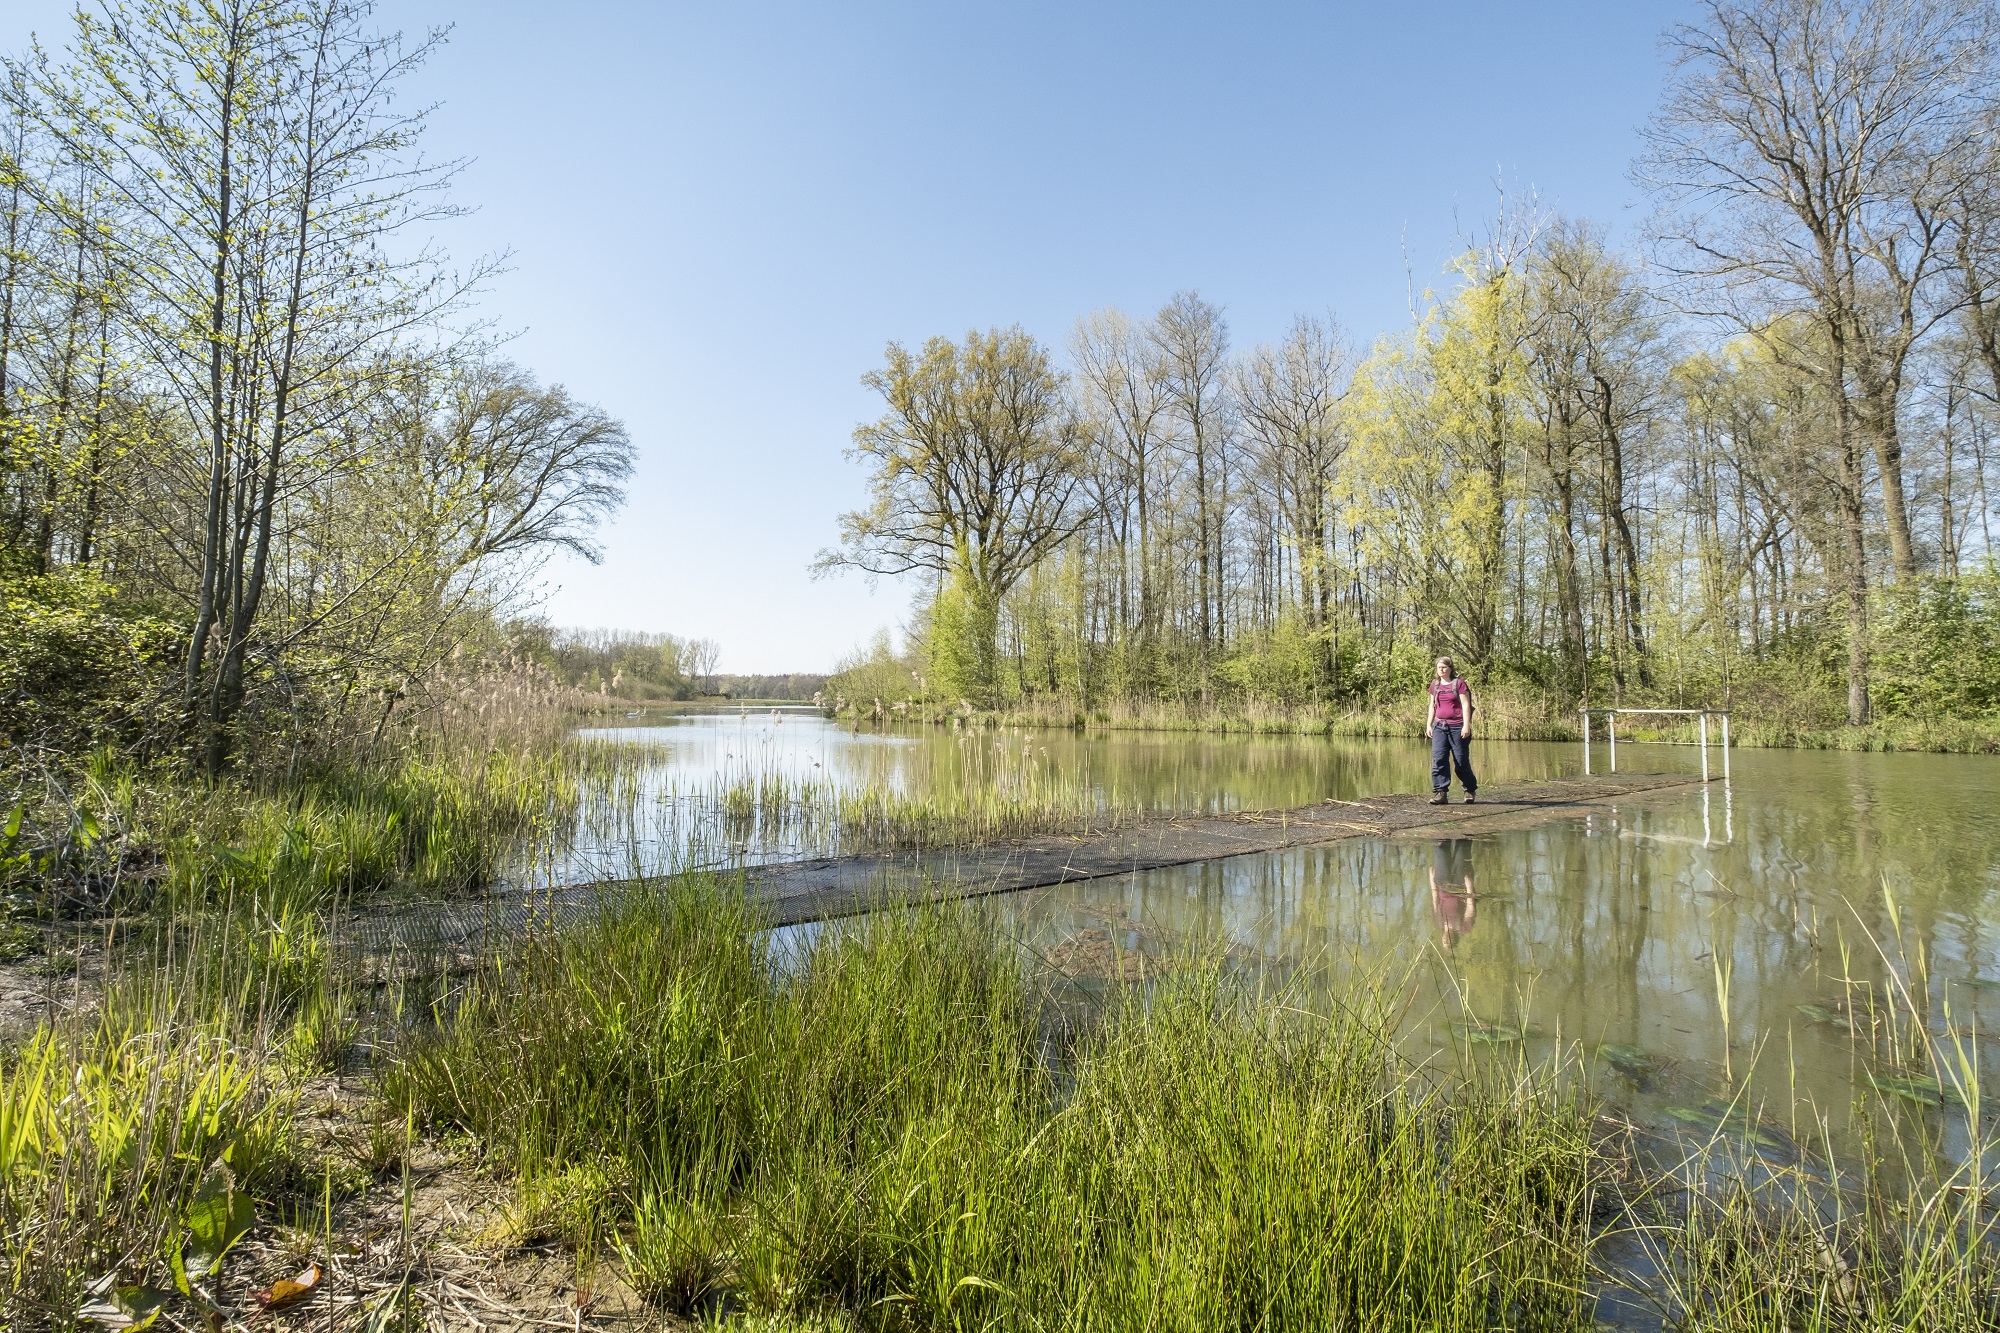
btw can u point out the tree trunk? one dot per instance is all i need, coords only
(212, 590)
(1854, 542)
(86, 536)
(1628, 546)
(1875, 413)
(1492, 542)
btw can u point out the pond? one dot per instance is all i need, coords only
(1753, 940)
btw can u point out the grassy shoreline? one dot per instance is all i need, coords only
(900, 1124)
(1501, 717)
(904, 1122)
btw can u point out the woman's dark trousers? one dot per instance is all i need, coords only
(1448, 747)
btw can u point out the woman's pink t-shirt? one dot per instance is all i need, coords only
(1448, 694)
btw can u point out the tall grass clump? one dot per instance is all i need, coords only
(429, 823)
(625, 1033)
(885, 1120)
(883, 819)
(441, 800)
(901, 1088)
(826, 818)
(118, 837)
(1794, 1253)
(1226, 1162)
(177, 1086)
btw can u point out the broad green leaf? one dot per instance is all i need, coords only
(216, 1219)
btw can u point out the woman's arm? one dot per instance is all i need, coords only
(1430, 709)
(1465, 726)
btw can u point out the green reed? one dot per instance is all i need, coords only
(826, 818)
(442, 821)
(1897, 1233)
(880, 1122)
(178, 1082)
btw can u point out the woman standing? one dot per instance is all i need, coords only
(1449, 726)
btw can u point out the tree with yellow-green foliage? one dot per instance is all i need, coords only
(974, 468)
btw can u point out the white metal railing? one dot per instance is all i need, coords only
(1611, 730)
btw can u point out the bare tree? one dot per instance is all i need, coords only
(1975, 215)
(509, 467)
(1121, 395)
(1290, 400)
(1192, 339)
(1811, 149)
(1595, 338)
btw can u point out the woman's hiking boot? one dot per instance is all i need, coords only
(1471, 797)
(1440, 797)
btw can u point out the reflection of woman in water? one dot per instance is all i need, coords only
(1451, 887)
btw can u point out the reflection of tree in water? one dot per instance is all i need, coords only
(1180, 771)
(1607, 931)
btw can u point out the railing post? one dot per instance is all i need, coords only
(1586, 742)
(1704, 745)
(1725, 749)
(1611, 727)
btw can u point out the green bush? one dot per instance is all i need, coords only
(1937, 648)
(79, 667)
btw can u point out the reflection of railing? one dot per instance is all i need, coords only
(1611, 730)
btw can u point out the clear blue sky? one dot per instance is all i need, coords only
(720, 214)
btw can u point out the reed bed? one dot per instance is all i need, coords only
(775, 809)
(432, 824)
(882, 1125)
(842, 820)
(120, 838)
(1895, 1231)
(1504, 715)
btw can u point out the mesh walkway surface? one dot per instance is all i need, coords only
(800, 891)
(796, 892)
(823, 889)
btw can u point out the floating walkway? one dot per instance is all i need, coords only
(795, 892)
(790, 893)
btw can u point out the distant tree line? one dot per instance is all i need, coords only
(646, 668)
(1756, 464)
(259, 468)
(624, 664)
(794, 687)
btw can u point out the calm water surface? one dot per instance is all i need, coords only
(1626, 936)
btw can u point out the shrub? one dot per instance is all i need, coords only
(79, 667)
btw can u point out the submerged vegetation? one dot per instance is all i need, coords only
(826, 818)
